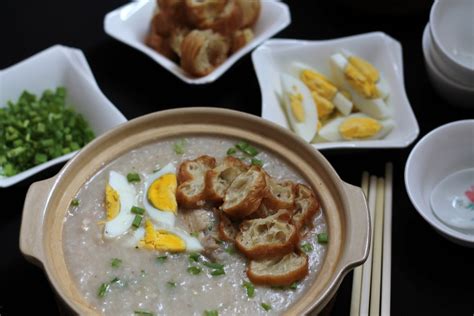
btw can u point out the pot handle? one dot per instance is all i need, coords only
(34, 209)
(358, 223)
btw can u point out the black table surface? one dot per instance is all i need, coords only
(430, 275)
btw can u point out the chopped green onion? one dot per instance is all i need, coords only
(143, 273)
(194, 256)
(178, 146)
(231, 151)
(294, 285)
(137, 210)
(103, 289)
(133, 177)
(266, 306)
(115, 280)
(229, 249)
(250, 289)
(211, 313)
(242, 145)
(247, 148)
(137, 221)
(213, 265)
(323, 238)
(194, 270)
(40, 158)
(256, 162)
(171, 284)
(116, 263)
(306, 247)
(75, 202)
(217, 272)
(144, 313)
(161, 259)
(194, 234)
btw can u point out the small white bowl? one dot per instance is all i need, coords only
(53, 67)
(452, 31)
(274, 57)
(131, 23)
(455, 93)
(441, 153)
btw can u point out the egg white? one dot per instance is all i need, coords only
(343, 104)
(330, 131)
(157, 215)
(377, 108)
(127, 196)
(308, 128)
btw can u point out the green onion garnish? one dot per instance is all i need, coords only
(231, 151)
(306, 247)
(211, 313)
(323, 238)
(194, 234)
(194, 257)
(242, 145)
(266, 307)
(194, 270)
(133, 177)
(247, 148)
(137, 221)
(217, 272)
(250, 289)
(137, 210)
(75, 202)
(178, 146)
(142, 312)
(294, 285)
(213, 265)
(161, 259)
(229, 249)
(256, 162)
(116, 263)
(171, 284)
(103, 289)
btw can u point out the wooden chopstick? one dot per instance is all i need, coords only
(357, 275)
(387, 242)
(377, 250)
(367, 267)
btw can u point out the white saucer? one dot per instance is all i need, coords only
(452, 200)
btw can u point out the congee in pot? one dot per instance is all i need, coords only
(195, 226)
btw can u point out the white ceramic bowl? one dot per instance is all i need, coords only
(275, 56)
(452, 31)
(53, 67)
(131, 23)
(442, 152)
(455, 93)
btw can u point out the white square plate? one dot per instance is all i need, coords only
(131, 23)
(274, 57)
(49, 69)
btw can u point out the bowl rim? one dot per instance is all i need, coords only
(338, 261)
(408, 182)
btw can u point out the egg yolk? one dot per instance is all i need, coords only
(324, 106)
(366, 68)
(112, 202)
(162, 193)
(296, 105)
(161, 240)
(359, 127)
(318, 83)
(360, 82)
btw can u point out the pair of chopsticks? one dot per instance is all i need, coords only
(371, 281)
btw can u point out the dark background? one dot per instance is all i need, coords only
(430, 275)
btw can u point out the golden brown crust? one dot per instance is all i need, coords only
(226, 229)
(250, 11)
(294, 265)
(240, 38)
(266, 237)
(245, 194)
(306, 206)
(202, 52)
(176, 39)
(162, 23)
(191, 189)
(279, 194)
(160, 44)
(220, 178)
(224, 17)
(199, 11)
(175, 9)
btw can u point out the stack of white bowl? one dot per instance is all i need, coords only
(448, 47)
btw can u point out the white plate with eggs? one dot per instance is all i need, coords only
(382, 120)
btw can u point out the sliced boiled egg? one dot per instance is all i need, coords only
(170, 239)
(120, 196)
(160, 195)
(360, 84)
(325, 93)
(356, 126)
(300, 107)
